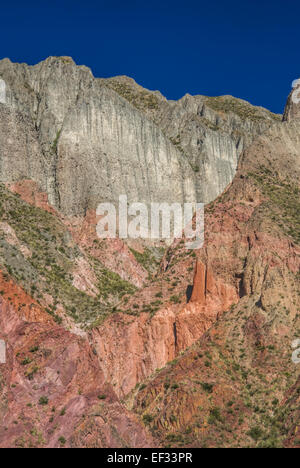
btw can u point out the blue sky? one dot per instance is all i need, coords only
(250, 49)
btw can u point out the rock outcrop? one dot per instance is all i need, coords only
(132, 347)
(292, 109)
(199, 284)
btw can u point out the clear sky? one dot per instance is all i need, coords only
(249, 49)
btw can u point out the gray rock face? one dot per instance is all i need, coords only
(93, 144)
(292, 108)
(21, 156)
(87, 140)
(210, 132)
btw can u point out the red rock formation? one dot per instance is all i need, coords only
(210, 282)
(53, 391)
(30, 192)
(133, 347)
(13, 297)
(209, 299)
(199, 284)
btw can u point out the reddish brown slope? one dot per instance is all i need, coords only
(229, 388)
(53, 392)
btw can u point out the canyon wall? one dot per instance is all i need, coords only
(87, 142)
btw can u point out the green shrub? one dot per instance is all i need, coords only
(43, 401)
(62, 440)
(147, 418)
(207, 387)
(255, 433)
(175, 299)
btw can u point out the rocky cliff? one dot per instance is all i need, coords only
(92, 145)
(211, 132)
(87, 140)
(292, 111)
